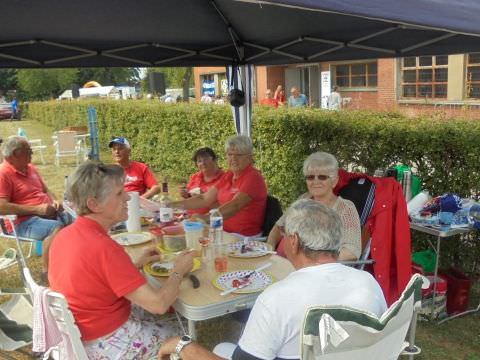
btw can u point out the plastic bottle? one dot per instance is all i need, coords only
(216, 227)
(65, 185)
(166, 212)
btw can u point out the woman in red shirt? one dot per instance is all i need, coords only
(209, 173)
(241, 192)
(98, 278)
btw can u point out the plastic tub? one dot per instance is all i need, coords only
(193, 233)
(174, 242)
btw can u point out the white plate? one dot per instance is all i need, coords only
(132, 238)
(252, 249)
(259, 281)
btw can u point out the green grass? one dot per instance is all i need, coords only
(456, 339)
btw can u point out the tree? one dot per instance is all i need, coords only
(42, 84)
(8, 80)
(175, 77)
(109, 76)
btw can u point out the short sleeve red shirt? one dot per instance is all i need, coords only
(247, 221)
(197, 180)
(269, 102)
(94, 273)
(22, 189)
(138, 177)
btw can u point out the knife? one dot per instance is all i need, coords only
(262, 267)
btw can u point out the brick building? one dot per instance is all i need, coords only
(446, 84)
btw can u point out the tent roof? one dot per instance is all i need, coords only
(99, 90)
(55, 33)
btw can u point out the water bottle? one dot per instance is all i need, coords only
(216, 227)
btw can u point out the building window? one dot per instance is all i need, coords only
(355, 75)
(473, 76)
(425, 77)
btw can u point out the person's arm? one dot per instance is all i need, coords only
(197, 202)
(43, 210)
(239, 201)
(158, 301)
(275, 236)
(192, 351)
(155, 189)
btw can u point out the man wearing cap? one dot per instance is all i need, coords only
(313, 234)
(138, 176)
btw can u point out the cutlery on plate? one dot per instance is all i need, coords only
(246, 277)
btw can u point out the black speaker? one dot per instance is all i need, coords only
(75, 91)
(157, 83)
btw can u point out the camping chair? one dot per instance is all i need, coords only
(66, 145)
(10, 256)
(16, 313)
(63, 317)
(338, 333)
(273, 212)
(362, 193)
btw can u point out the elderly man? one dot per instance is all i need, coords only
(296, 99)
(268, 100)
(138, 176)
(313, 234)
(24, 193)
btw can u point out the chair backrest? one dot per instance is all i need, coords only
(336, 332)
(66, 141)
(273, 212)
(63, 316)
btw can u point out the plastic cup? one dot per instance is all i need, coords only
(221, 263)
(193, 233)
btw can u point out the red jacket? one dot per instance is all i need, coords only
(390, 231)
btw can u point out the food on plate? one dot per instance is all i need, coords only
(162, 267)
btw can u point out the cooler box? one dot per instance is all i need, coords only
(458, 293)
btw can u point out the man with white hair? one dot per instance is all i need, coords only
(24, 193)
(313, 234)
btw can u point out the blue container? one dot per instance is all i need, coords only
(38, 247)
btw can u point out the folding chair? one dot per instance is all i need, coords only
(66, 145)
(63, 317)
(273, 212)
(341, 333)
(4, 264)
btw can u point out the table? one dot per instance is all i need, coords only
(439, 234)
(205, 302)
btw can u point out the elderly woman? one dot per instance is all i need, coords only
(99, 280)
(209, 173)
(321, 174)
(241, 192)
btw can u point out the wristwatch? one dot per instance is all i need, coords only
(184, 341)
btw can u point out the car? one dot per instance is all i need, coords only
(5, 111)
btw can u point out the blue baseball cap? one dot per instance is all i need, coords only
(120, 140)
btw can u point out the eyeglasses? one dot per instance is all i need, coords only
(319, 177)
(236, 155)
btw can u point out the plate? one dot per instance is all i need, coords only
(259, 281)
(168, 266)
(132, 238)
(252, 249)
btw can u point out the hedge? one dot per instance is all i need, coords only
(443, 152)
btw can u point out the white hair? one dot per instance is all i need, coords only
(318, 227)
(321, 160)
(240, 143)
(13, 143)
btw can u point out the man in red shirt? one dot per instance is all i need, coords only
(138, 176)
(23, 193)
(269, 100)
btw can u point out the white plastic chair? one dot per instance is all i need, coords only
(4, 264)
(66, 145)
(341, 333)
(35, 144)
(63, 317)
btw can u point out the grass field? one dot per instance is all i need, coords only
(456, 339)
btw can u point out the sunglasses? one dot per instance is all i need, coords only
(319, 177)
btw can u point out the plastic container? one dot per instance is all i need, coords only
(170, 238)
(174, 242)
(193, 233)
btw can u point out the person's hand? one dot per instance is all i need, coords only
(58, 205)
(184, 262)
(46, 210)
(199, 217)
(149, 255)
(184, 192)
(168, 347)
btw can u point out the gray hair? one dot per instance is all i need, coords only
(321, 160)
(318, 227)
(92, 180)
(241, 143)
(13, 143)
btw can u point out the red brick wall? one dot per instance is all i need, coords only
(386, 94)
